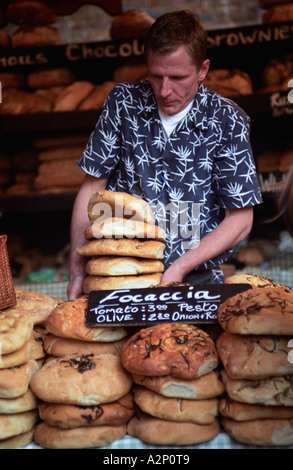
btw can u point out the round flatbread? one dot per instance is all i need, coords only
(55, 346)
(52, 437)
(163, 432)
(15, 330)
(14, 381)
(274, 391)
(262, 432)
(254, 356)
(247, 412)
(136, 247)
(181, 350)
(73, 416)
(15, 442)
(122, 266)
(119, 204)
(68, 320)
(174, 409)
(81, 380)
(207, 386)
(94, 283)
(118, 227)
(25, 402)
(17, 423)
(254, 280)
(258, 311)
(37, 305)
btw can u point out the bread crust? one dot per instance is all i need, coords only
(122, 265)
(119, 227)
(247, 412)
(73, 416)
(52, 437)
(254, 356)
(81, 380)
(207, 386)
(138, 248)
(15, 330)
(258, 311)
(58, 347)
(119, 204)
(14, 381)
(274, 391)
(271, 432)
(163, 432)
(96, 283)
(37, 305)
(131, 23)
(174, 409)
(181, 350)
(68, 320)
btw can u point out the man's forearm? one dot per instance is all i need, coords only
(79, 222)
(233, 229)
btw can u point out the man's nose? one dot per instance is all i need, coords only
(165, 87)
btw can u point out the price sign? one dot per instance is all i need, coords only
(188, 304)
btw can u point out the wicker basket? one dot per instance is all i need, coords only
(7, 292)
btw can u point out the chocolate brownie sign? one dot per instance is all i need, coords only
(129, 307)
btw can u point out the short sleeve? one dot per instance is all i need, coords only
(101, 154)
(235, 178)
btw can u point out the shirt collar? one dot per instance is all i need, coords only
(197, 115)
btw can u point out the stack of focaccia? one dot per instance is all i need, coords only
(257, 374)
(176, 386)
(21, 353)
(83, 392)
(124, 246)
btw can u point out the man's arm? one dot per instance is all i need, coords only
(234, 228)
(79, 222)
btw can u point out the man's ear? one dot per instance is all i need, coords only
(204, 70)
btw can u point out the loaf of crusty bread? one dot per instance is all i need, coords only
(119, 204)
(118, 227)
(122, 266)
(92, 282)
(123, 247)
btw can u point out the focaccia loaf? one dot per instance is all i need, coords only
(258, 311)
(181, 350)
(119, 204)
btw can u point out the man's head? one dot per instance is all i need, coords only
(175, 29)
(175, 53)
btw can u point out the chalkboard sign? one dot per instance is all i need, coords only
(130, 307)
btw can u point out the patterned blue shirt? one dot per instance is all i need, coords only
(205, 166)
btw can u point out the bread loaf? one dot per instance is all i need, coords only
(95, 283)
(47, 77)
(30, 12)
(122, 265)
(207, 386)
(131, 23)
(164, 432)
(258, 311)
(119, 227)
(52, 437)
(119, 204)
(68, 320)
(36, 36)
(152, 249)
(181, 350)
(70, 98)
(97, 96)
(81, 380)
(254, 356)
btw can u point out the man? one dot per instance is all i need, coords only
(179, 146)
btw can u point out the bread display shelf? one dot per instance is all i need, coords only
(36, 202)
(41, 122)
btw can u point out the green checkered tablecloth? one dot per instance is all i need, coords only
(279, 269)
(222, 441)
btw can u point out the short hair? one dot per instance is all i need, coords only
(174, 29)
